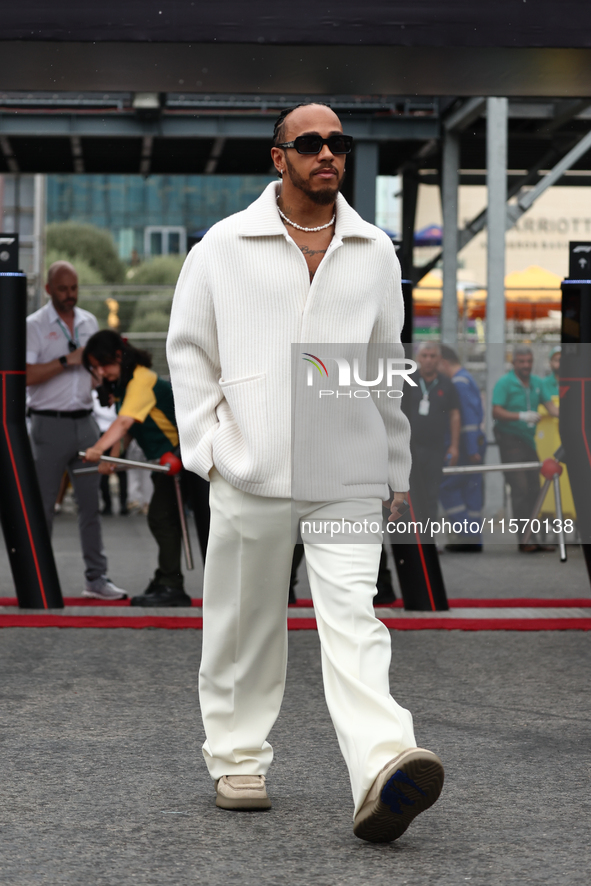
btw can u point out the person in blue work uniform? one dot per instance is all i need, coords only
(462, 495)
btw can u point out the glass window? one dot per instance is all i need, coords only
(174, 242)
(156, 243)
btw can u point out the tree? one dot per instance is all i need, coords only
(72, 241)
(156, 320)
(163, 270)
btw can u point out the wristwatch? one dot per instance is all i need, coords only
(64, 361)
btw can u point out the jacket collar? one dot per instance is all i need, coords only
(261, 218)
(54, 317)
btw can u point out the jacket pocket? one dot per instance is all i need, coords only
(241, 444)
(364, 448)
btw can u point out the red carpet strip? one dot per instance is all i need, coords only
(296, 624)
(455, 603)
(26, 619)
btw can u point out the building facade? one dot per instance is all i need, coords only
(154, 215)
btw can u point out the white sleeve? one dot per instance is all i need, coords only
(193, 358)
(33, 344)
(387, 329)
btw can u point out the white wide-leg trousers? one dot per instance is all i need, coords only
(243, 667)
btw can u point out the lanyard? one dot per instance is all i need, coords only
(67, 334)
(527, 389)
(427, 390)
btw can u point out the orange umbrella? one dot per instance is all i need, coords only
(530, 294)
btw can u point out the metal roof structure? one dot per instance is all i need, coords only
(196, 133)
(193, 87)
(142, 86)
(458, 23)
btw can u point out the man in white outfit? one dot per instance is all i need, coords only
(299, 265)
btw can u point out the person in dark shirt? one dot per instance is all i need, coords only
(433, 409)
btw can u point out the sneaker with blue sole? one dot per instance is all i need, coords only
(405, 787)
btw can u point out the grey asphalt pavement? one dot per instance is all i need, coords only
(103, 781)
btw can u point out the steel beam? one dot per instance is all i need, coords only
(214, 156)
(461, 117)
(146, 158)
(453, 125)
(496, 164)
(364, 184)
(76, 146)
(565, 112)
(449, 199)
(6, 149)
(204, 125)
(410, 190)
(39, 227)
(527, 195)
(234, 68)
(526, 198)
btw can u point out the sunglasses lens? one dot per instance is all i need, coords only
(312, 144)
(340, 144)
(308, 144)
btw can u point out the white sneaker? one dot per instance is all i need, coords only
(103, 589)
(242, 792)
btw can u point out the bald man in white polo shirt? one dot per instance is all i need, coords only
(60, 404)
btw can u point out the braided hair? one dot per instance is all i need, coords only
(279, 128)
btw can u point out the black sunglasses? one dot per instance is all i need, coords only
(313, 144)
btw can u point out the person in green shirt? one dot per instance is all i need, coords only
(515, 402)
(145, 411)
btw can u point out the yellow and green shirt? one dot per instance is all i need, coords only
(148, 399)
(550, 387)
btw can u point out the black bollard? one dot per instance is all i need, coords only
(406, 334)
(419, 572)
(21, 509)
(575, 387)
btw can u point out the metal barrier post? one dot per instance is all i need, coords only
(21, 509)
(575, 387)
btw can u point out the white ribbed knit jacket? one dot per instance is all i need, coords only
(243, 298)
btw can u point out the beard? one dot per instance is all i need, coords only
(323, 197)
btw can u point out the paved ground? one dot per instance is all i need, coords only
(103, 782)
